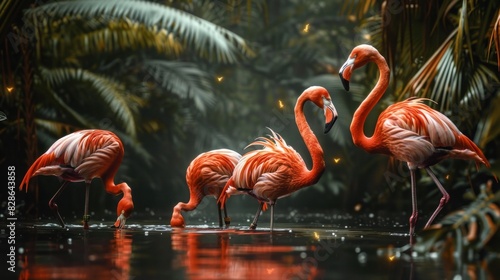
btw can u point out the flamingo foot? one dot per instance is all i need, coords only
(54, 207)
(413, 222)
(227, 221)
(86, 221)
(253, 226)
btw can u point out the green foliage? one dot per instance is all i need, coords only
(472, 228)
(205, 38)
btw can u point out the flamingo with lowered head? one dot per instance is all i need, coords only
(278, 170)
(410, 131)
(206, 175)
(83, 156)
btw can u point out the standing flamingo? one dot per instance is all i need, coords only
(278, 170)
(83, 156)
(206, 175)
(410, 131)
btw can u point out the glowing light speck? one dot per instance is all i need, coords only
(336, 160)
(280, 103)
(219, 79)
(306, 28)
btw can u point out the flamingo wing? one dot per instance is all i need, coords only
(78, 156)
(415, 133)
(269, 173)
(211, 170)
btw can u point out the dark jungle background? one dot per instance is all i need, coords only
(176, 78)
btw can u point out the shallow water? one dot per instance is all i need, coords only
(153, 250)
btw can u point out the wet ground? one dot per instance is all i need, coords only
(316, 246)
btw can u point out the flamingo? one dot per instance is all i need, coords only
(83, 156)
(409, 131)
(278, 170)
(206, 175)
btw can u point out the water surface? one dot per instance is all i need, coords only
(311, 249)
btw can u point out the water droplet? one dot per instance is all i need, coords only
(61, 246)
(146, 233)
(70, 241)
(342, 238)
(357, 250)
(303, 255)
(362, 257)
(21, 250)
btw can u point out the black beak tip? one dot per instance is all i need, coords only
(329, 125)
(345, 82)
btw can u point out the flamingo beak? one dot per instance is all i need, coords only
(120, 221)
(330, 115)
(345, 72)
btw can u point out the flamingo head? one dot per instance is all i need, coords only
(359, 56)
(322, 99)
(177, 220)
(123, 211)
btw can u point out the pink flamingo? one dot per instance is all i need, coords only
(83, 156)
(206, 175)
(278, 170)
(410, 131)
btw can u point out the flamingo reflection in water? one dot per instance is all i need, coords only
(110, 261)
(202, 258)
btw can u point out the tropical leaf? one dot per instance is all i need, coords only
(490, 130)
(109, 91)
(208, 40)
(3, 116)
(120, 35)
(471, 228)
(183, 79)
(495, 38)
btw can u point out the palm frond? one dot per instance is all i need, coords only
(495, 38)
(55, 128)
(119, 36)
(183, 79)
(208, 40)
(109, 91)
(422, 80)
(490, 130)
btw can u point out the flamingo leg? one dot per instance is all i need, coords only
(443, 200)
(253, 225)
(220, 214)
(414, 212)
(227, 220)
(53, 205)
(272, 217)
(86, 211)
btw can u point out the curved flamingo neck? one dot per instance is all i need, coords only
(358, 121)
(318, 163)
